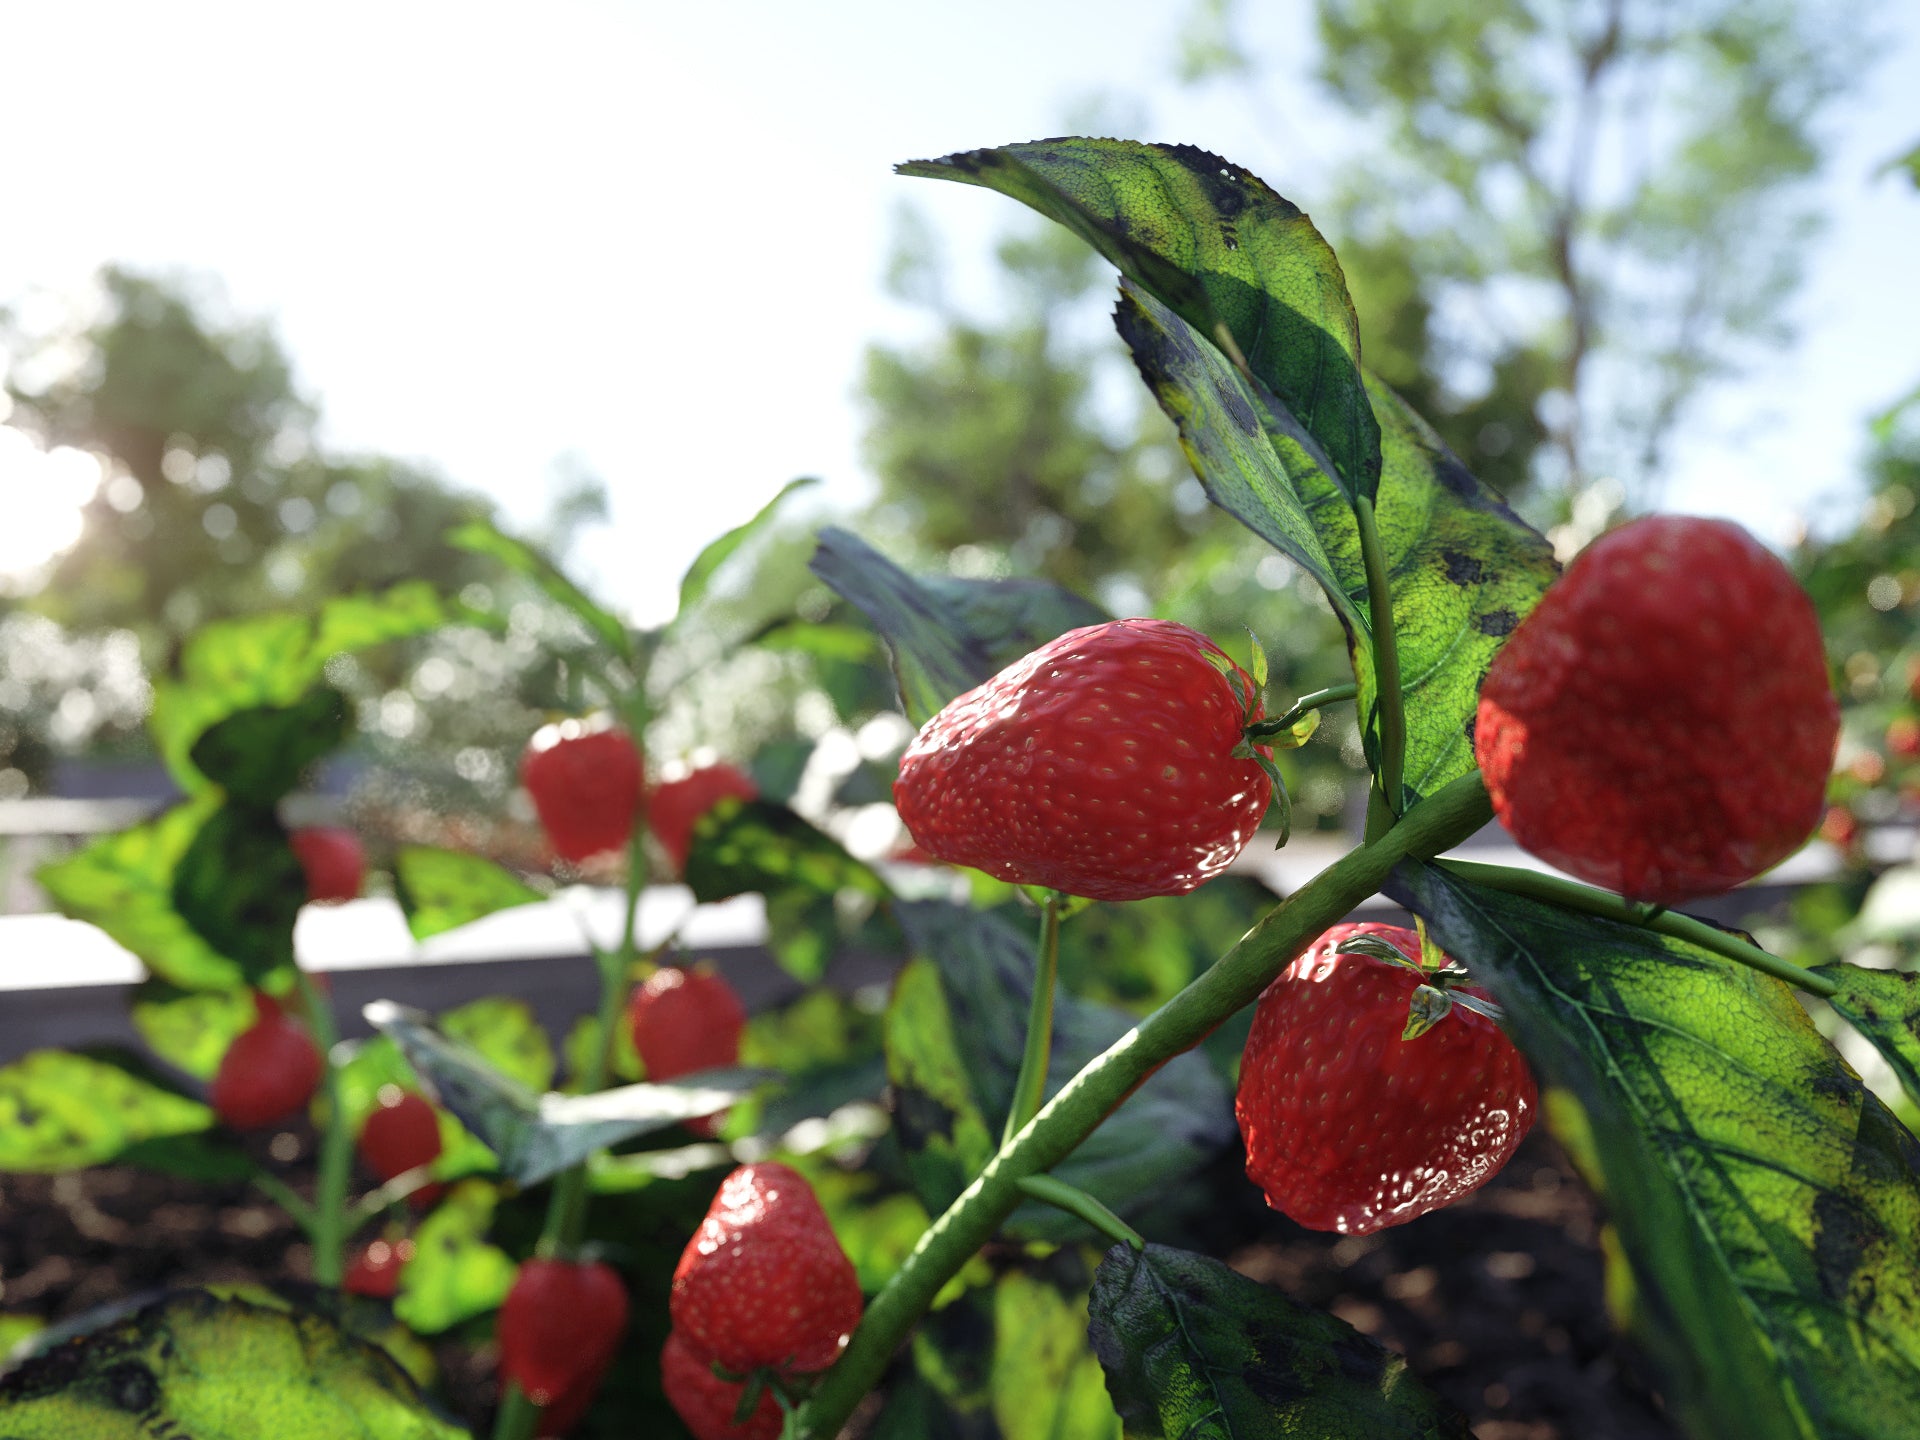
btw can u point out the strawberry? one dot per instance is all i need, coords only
(1662, 724)
(560, 1324)
(705, 1403)
(1102, 764)
(763, 1281)
(585, 788)
(684, 1021)
(269, 1072)
(400, 1134)
(676, 807)
(570, 1406)
(333, 860)
(375, 1271)
(1348, 1126)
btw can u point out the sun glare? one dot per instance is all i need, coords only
(43, 491)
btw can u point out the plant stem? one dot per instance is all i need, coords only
(1075, 1201)
(1572, 895)
(1031, 1084)
(1386, 658)
(1441, 821)
(287, 1198)
(329, 1209)
(1303, 707)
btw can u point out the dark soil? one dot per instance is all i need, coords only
(1496, 1301)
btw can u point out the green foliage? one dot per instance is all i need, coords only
(483, 538)
(504, 1032)
(444, 889)
(1884, 1006)
(62, 1111)
(454, 1274)
(258, 755)
(191, 1029)
(1767, 1204)
(218, 1369)
(240, 886)
(699, 576)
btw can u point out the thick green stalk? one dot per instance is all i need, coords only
(329, 1228)
(1236, 980)
(1572, 895)
(1386, 660)
(1031, 1084)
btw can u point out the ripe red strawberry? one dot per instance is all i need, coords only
(1351, 1128)
(585, 787)
(1100, 764)
(334, 862)
(570, 1406)
(560, 1323)
(375, 1271)
(676, 807)
(1662, 724)
(763, 1281)
(269, 1072)
(706, 1403)
(683, 1021)
(401, 1133)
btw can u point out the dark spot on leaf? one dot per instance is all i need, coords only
(1841, 1238)
(131, 1386)
(1496, 622)
(1275, 1385)
(1462, 569)
(1468, 728)
(1359, 1357)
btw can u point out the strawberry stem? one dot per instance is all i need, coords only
(1234, 981)
(1077, 1202)
(1391, 709)
(1031, 1084)
(329, 1227)
(1572, 895)
(1303, 707)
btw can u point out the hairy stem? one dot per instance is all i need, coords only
(1236, 980)
(1031, 1084)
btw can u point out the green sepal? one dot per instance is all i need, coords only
(1426, 1008)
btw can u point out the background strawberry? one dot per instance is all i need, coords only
(684, 1021)
(763, 1281)
(1348, 1126)
(401, 1132)
(269, 1072)
(1100, 764)
(585, 788)
(705, 1402)
(560, 1324)
(334, 862)
(1662, 724)
(676, 807)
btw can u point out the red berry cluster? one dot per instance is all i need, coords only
(1101, 764)
(1351, 1127)
(763, 1285)
(684, 1021)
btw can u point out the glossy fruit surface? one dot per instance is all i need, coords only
(1662, 724)
(1349, 1127)
(560, 1324)
(401, 1132)
(1100, 764)
(763, 1281)
(334, 861)
(705, 1403)
(269, 1072)
(585, 788)
(676, 807)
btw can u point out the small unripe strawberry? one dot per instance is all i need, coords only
(585, 788)
(334, 862)
(684, 1021)
(560, 1323)
(1350, 1127)
(375, 1271)
(676, 807)
(1662, 724)
(1101, 764)
(269, 1072)
(763, 1281)
(401, 1133)
(705, 1403)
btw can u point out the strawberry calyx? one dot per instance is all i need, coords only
(1441, 979)
(789, 1391)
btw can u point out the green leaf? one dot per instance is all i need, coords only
(757, 846)
(503, 1032)
(191, 1029)
(1884, 1006)
(240, 885)
(444, 889)
(1045, 1381)
(213, 1157)
(259, 754)
(693, 585)
(124, 885)
(272, 661)
(955, 1034)
(217, 1369)
(454, 1274)
(1767, 1203)
(60, 1110)
(522, 559)
(1238, 263)
(1193, 1349)
(536, 1136)
(946, 635)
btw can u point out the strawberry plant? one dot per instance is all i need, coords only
(992, 1253)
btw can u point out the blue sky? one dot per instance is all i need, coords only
(652, 236)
